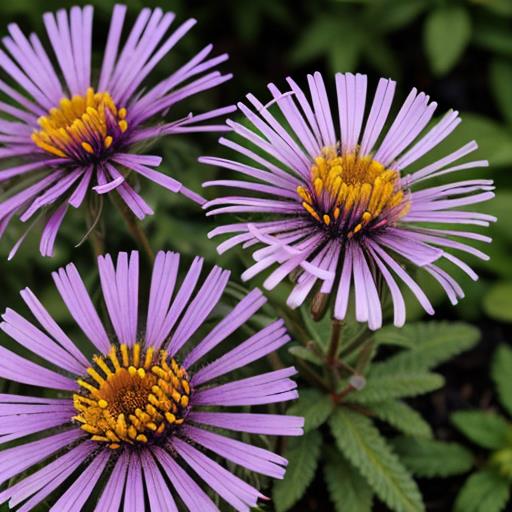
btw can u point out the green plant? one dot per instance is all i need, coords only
(353, 400)
(489, 488)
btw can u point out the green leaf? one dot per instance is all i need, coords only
(344, 56)
(501, 78)
(494, 35)
(399, 385)
(305, 354)
(320, 331)
(394, 15)
(500, 7)
(402, 417)
(360, 441)
(501, 372)
(447, 33)
(316, 39)
(430, 458)
(379, 54)
(498, 302)
(334, 36)
(486, 429)
(302, 454)
(431, 344)
(348, 490)
(315, 406)
(485, 491)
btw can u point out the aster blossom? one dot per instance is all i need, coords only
(333, 199)
(67, 133)
(139, 417)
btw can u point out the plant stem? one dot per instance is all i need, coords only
(275, 361)
(332, 353)
(312, 376)
(136, 230)
(338, 397)
(97, 243)
(356, 343)
(95, 234)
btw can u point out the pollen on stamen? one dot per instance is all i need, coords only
(351, 194)
(81, 127)
(135, 401)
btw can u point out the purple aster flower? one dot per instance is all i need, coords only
(342, 207)
(67, 136)
(140, 416)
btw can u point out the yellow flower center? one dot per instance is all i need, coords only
(130, 397)
(81, 127)
(349, 193)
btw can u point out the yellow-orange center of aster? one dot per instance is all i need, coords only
(132, 397)
(82, 126)
(350, 192)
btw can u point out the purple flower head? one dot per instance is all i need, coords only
(68, 134)
(336, 201)
(140, 417)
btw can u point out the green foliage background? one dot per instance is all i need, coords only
(459, 52)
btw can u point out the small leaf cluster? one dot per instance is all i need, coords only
(489, 488)
(366, 441)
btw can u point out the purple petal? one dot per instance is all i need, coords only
(79, 304)
(134, 492)
(120, 287)
(269, 339)
(159, 495)
(44, 481)
(250, 457)
(113, 492)
(236, 492)
(266, 388)
(265, 424)
(16, 460)
(19, 369)
(201, 306)
(244, 310)
(188, 490)
(78, 493)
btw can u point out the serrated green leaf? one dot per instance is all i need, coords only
(430, 458)
(314, 406)
(501, 372)
(431, 344)
(302, 454)
(399, 385)
(486, 429)
(447, 33)
(402, 417)
(498, 302)
(348, 490)
(501, 78)
(418, 334)
(484, 491)
(360, 441)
